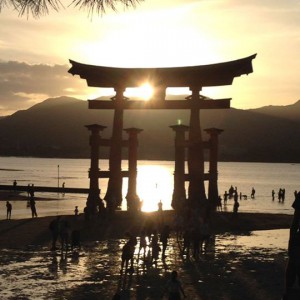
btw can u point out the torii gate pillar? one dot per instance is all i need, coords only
(196, 190)
(179, 193)
(114, 188)
(94, 200)
(213, 193)
(132, 197)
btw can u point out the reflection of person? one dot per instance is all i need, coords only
(174, 287)
(8, 210)
(54, 227)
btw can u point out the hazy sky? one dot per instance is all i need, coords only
(35, 53)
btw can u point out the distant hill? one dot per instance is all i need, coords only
(55, 128)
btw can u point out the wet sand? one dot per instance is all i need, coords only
(22, 232)
(229, 270)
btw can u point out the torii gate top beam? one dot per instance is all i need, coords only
(192, 76)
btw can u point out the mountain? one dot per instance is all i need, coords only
(55, 128)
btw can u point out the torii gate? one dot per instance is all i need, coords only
(194, 77)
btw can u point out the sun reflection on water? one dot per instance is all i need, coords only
(154, 183)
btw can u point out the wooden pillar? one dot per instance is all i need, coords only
(94, 200)
(114, 189)
(133, 199)
(213, 192)
(196, 190)
(179, 193)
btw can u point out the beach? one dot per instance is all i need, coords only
(229, 270)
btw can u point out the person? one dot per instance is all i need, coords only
(174, 287)
(8, 210)
(76, 211)
(296, 216)
(292, 272)
(160, 205)
(63, 189)
(54, 227)
(32, 207)
(235, 205)
(273, 195)
(225, 197)
(253, 193)
(128, 253)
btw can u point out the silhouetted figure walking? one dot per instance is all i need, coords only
(236, 205)
(253, 193)
(128, 254)
(8, 210)
(32, 207)
(273, 195)
(76, 211)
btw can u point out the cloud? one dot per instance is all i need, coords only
(23, 84)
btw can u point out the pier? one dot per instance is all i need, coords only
(47, 189)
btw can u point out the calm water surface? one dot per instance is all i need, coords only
(154, 182)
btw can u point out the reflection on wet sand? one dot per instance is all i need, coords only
(233, 266)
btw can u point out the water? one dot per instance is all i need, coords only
(154, 182)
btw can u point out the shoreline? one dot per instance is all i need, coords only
(20, 233)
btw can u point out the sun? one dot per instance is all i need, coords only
(144, 92)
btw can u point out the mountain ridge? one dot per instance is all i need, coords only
(56, 128)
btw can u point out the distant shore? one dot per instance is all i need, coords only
(24, 232)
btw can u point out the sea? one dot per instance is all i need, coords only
(154, 183)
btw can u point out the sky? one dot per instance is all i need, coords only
(35, 53)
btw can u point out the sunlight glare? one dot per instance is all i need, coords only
(143, 92)
(154, 183)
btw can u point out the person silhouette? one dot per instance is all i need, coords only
(8, 210)
(174, 287)
(292, 272)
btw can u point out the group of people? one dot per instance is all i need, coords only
(30, 203)
(62, 231)
(149, 240)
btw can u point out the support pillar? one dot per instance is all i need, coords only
(114, 189)
(94, 200)
(196, 190)
(133, 199)
(213, 192)
(179, 193)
